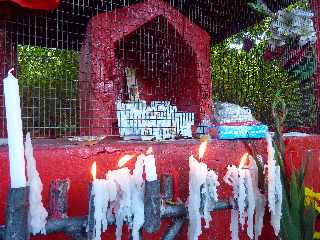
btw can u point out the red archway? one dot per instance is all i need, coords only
(101, 77)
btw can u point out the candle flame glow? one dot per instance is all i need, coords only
(243, 160)
(149, 151)
(202, 149)
(94, 170)
(124, 160)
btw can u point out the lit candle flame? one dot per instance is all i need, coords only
(94, 170)
(202, 149)
(124, 160)
(149, 151)
(243, 160)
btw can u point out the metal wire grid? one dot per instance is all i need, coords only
(47, 57)
(48, 63)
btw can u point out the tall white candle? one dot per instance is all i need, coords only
(137, 196)
(37, 213)
(274, 186)
(197, 177)
(14, 130)
(251, 200)
(150, 168)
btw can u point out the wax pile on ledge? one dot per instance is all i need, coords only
(248, 202)
(205, 183)
(37, 213)
(274, 187)
(103, 191)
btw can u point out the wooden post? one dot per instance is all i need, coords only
(152, 206)
(58, 198)
(166, 186)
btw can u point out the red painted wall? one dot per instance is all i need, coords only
(60, 160)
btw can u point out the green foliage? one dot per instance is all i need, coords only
(298, 220)
(246, 79)
(49, 90)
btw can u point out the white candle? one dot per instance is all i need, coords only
(103, 191)
(197, 177)
(211, 195)
(150, 168)
(137, 198)
(232, 179)
(14, 130)
(251, 200)
(37, 213)
(244, 195)
(274, 187)
(234, 224)
(122, 206)
(260, 199)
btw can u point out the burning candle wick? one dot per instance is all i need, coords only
(94, 171)
(202, 149)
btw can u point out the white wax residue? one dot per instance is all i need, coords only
(260, 199)
(14, 130)
(137, 195)
(37, 218)
(150, 168)
(276, 216)
(212, 184)
(122, 205)
(259, 216)
(234, 225)
(197, 177)
(103, 192)
(274, 187)
(251, 200)
(232, 179)
(242, 197)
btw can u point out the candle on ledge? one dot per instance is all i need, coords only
(37, 213)
(197, 177)
(150, 166)
(122, 205)
(202, 149)
(260, 198)
(203, 185)
(137, 199)
(14, 131)
(128, 204)
(274, 187)
(102, 192)
(244, 196)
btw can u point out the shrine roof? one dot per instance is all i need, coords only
(220, 18)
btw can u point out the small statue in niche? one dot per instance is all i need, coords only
(132, 84)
